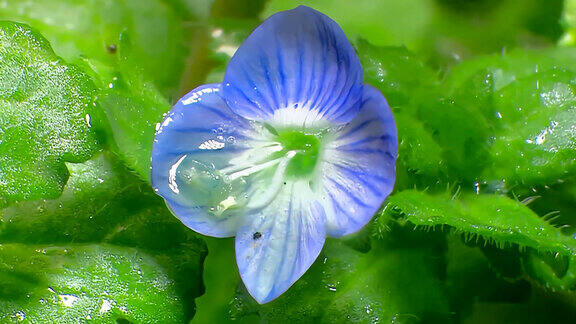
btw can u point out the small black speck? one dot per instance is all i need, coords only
(284, 182)
(257, 235)
(111, 48)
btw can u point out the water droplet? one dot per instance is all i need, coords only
(68, 300)
(217, 32)
(106, 306)
(198, 184)
(212, 144)
(88, 120)
(19, 316)
(540, 138)
(368, 309)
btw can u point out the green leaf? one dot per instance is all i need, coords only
(405, 80)
(420, 157)
(497, 219)
(99, 194)
(550, 270)
(506, 68)
(47, 116)
(383, 285)
(220, 285)
(528, 99)
(549, 256)
(428, 149)
(569, 23)
(103, 202)
(134, 107)
(462, 132)
(470, 277)
(535, 137)
(138, 51)
(102, 283)
(398, 73)
(92, 29)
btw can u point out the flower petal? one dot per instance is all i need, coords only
(199, 133)
(358, 168)
(276, 245)
(297, 67)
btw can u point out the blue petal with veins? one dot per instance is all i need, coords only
(297, 59)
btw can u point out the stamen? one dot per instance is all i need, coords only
(239, 164)
(263, 200)
(248, 171)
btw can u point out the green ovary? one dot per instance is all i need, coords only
(307, 148)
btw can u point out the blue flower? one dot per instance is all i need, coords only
(292, 147)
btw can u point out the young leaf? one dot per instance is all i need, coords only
(47, 116)
(497, 219)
